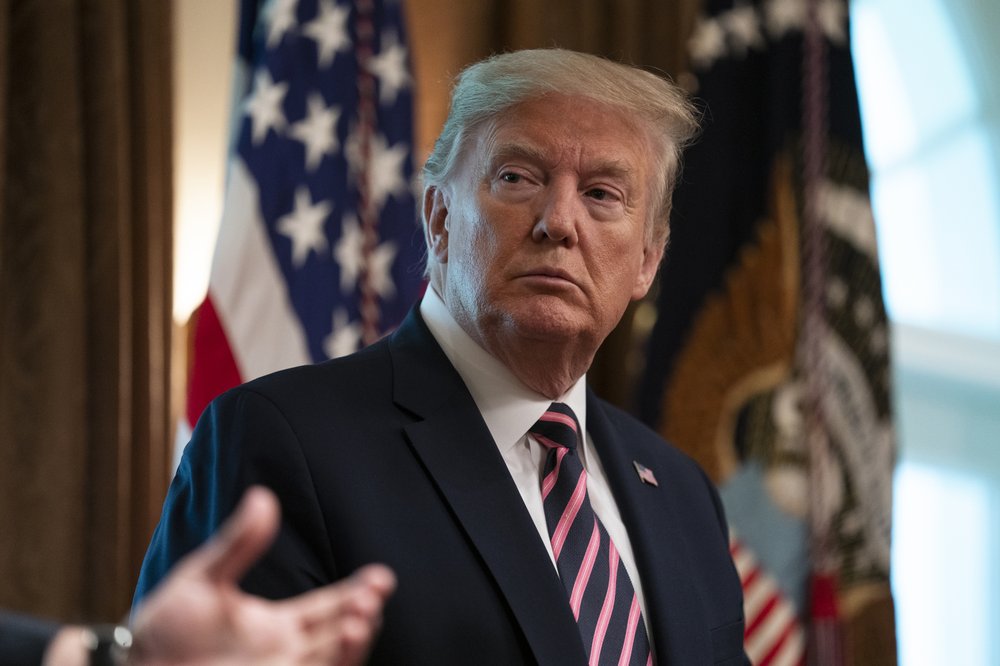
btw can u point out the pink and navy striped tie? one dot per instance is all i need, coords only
(600, 593)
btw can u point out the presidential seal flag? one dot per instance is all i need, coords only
(769, 361)
(319, 251)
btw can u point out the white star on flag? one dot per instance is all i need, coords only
(707, 44)
(264, 106)
(280, 20)
(379, 265)
(386, 171)
(345, 338)
(318, 130)
(304, 226)
(348, 252)
(390, 68)
(329, 30)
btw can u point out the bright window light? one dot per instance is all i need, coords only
(934, 173)
(890, 129)
(912, 90)
(941, 571)
(939, 237)
(932, 137)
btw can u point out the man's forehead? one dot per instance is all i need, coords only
(610, 140)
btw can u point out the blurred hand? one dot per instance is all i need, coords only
(199, 616)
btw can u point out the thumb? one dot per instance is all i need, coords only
(240, 541)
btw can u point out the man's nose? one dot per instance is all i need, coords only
(559, 215)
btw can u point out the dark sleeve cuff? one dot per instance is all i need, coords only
(23, 639)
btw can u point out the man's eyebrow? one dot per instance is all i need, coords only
(609, 168)
(508, 151)
(616, 169)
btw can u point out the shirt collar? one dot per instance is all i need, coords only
(509, 407)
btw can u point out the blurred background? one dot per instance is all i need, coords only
(96, 303)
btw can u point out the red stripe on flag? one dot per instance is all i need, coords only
(763, 644)
(749, 577)
(753, 623)
(779, 644)
(212, 367)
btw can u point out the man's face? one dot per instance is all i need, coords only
(543, 234)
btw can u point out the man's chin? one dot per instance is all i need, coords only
(546, 323)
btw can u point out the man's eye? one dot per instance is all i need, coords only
(510, 177)
(599, 194)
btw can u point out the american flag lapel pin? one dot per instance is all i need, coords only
(645, 474)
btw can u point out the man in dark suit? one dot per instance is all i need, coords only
(527, 521)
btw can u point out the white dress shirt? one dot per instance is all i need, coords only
(510, 409)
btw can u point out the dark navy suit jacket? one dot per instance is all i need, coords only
(382, 456)
(23, 639)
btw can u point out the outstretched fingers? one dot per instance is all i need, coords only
(340, 621)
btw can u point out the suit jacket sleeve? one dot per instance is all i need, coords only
(243, 439)
(23, 639)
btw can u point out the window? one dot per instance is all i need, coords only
(929, 78)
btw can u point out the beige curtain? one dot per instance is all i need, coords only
(85, 249)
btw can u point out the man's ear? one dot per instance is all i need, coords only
(652, 255)
(436, 223)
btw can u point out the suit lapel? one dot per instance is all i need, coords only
(650, 517)
(453, 442)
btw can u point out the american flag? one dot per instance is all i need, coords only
(319, 249)
(774, 634)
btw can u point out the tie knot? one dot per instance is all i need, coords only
(557, 427)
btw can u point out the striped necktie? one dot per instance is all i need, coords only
(600, 593)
